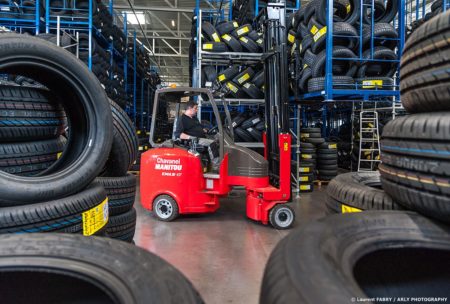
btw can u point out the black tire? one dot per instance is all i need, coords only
(306, 188)
(375, 83)
(234, 90)
(360, 190)
(210, 73)
(252, 121)
(384, 34)
(244, 76)
(304, 134)
(122, 226)
(249, 45)
(311, 130)
(339, 82)
(328, 162)
(305, 168)
(315, 141)
(165, 208)
(281, 216)
(329, 146)
(29, 114)
(232, 43)
(390, 12)
(307, 156)
(226, 27)
(359, 256)
(379, 69)
(238, 120)
(215, 47)
(309, 58)
(30, 158)
(306, 44)
(306, 178)
(87, 107)
(349, 67)
(258, 79)
(228, 74)
(416, 163)
(255, 134)
(327, 172)
(57, 216)
(243, 134)
(351, 17)
(306, 76)
(121, 192)
(350, 41)
(210, 31)
(260, 126)
(379, 8)
(423, 58)
(125, 143)
(253, 35)
(70, 268)
(242, 31)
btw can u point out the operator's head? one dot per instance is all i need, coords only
(191, 108)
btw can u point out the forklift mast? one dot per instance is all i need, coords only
(276, 92)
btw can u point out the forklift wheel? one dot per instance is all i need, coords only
(165, 208)
(281, 216)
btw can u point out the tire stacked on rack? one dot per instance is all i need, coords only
(48, 171)
(307, 167)
(327, 161)
(436, 9)
(415, 168)
(242, 82)
(247, 128)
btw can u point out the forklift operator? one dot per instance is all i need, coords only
(188, 125)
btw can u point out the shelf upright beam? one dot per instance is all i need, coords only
(142, 104)
(134, 77)
(125, 63)
(47, 16)
(37, 11)
(90, 35)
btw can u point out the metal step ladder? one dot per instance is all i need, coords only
(369, 138)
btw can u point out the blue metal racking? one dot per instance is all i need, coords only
(19, 17)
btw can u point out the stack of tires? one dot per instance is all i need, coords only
(241, 81)
(415, 157)
(307, 167)
(54, 145)
(327, 161)
(248, 128)
(228, 36)
(307, 35)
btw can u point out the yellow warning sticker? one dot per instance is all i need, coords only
(304, 170)
(348, 209)
(243, 31)
(291, 38)
(332, 146)
(305, 187)
(226, 37)
(235, 24)
(314, 30)
(95, 218)
(222, 77)
(371, 84)
(58, 155)
(232, 87)
(244, 39)
(244, 78)
(215, 37)
(320, 33)
(349, 8)
(307, 156)
(304, 178)
(208, 46)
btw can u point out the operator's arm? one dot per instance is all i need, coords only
(184, 136)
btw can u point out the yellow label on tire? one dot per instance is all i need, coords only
(305, 66)
(215, 37)
(306, 156)
(349, 8)
(291, 38)
(304, 178)
(95, 218)
(208, 46)
(259, 41)
(314, 30)
(348, 209)
(141, 148)
(332, 146)
(304, 135)
(226, 37)
(222, 77)
(243, 31)
(235, 24)
(371, 84)
(244, 78)
(320, 33)
(58, 155)
(232, 87)
(244, 39)
(304, 170)
(305, 187)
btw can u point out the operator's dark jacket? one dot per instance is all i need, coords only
(189, 126)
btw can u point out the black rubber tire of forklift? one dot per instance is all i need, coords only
(243, 134)
(244, 76)
(125, 143)
(387, 69)
(261, 126)
(349, 67)
(252, 121)
(380, 30)
(51, 216)
(216, 47)
(258, 79)
(226, 27)
(232, 43)
(277, 209)
(122, 226)
(339, 29)
(228, 74)
(339, 82)
(28, 114)
(30, 158)
(242, 31)
(306, 76)
(316, 141)
(210, 31)
(249, 45)
(121, 192)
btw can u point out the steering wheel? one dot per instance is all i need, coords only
(213, 130)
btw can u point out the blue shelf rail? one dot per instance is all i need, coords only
(21, 16)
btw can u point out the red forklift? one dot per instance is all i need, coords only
(177, 175)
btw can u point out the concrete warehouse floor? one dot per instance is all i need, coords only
(222, 254)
